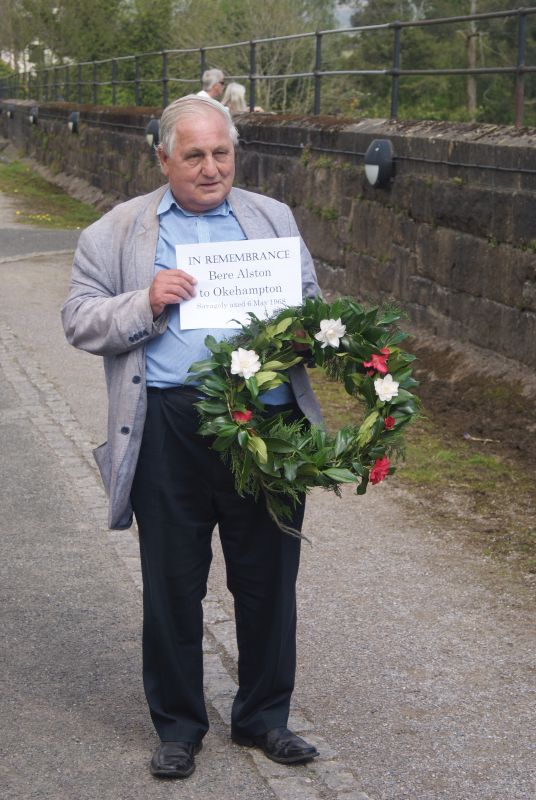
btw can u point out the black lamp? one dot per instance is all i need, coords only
(73, 121)
(152, 133)
(10, 111)
(33, 115)
(379, 163)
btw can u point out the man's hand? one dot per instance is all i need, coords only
(170, 286)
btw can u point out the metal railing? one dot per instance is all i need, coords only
(123, 80)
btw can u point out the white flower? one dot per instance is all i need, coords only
(386, 388)
(331, 331)
(244, 362)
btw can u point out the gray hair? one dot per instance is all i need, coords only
(188, 106)
(211, 77)
(234, 97)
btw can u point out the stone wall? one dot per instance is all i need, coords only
(452, 239)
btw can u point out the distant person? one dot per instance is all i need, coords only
(234, 98)
(213, 81)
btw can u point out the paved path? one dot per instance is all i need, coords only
(416, 658)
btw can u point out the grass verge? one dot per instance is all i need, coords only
(41, 202)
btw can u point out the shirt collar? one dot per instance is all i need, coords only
(168, 201)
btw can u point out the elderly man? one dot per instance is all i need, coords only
(213, 82)
(124, 305)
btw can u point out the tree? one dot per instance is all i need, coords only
(480, 43)
(201, 23)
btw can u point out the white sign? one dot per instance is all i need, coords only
(233, 278)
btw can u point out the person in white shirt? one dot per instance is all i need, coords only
(213, 81)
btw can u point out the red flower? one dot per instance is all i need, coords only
(380, 470)
(242, 416)
(377, 362)
(389, 423)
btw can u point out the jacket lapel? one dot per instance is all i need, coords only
(254, 225)
(145, 241)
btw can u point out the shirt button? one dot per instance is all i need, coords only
(136, 379)
(131, 339)
(125, 429)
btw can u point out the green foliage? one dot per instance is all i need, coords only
(72, 31)
(493, 43)
(5, 70)
(283, 460)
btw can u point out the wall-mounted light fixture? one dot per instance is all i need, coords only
(73, 121)
(10, 111)
(33, 116)
(379, 163)
(152, 133)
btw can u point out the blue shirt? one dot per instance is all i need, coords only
(169, 356)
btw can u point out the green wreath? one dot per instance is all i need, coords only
(280, 459)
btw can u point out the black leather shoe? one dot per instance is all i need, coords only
(174, 759)
(280, 745)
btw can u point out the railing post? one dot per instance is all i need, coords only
(137, 81)
(67, 84)
(45, 84)
(202, 62)
(114, 81)
(520, 75)
(318, 68)
(395, 70)
(165, 78)
(252, 73)
(79, 84)
(94, 86)
(56, 84)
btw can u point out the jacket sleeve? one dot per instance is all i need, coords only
(96, 316)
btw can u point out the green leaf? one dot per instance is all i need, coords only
(212, 407)
(290, 468)
(279, 445)
(356, 378)
(213, 345)
(401, 397)
(280, 327)
(206, 365)
(343, 438)
(365, 431)
(214, 381)
(408, 383)
(340, 475)
(388, 317)
(264, 377)
(258, 447)
(253, 386)
(222, 443)
(307, 470)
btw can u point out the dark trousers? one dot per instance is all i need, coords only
(181, 490)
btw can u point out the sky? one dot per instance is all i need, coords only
(343, 15)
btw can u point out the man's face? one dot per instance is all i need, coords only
(217, 90)
(201, 168)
